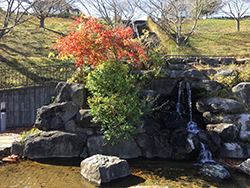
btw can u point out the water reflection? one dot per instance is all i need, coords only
(65, 173)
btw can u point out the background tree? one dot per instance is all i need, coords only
(114, 12)
(45, 8)
(15, 14)
(170, 15)
(212, 7)
(236, 9)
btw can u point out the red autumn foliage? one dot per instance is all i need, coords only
(93, 42)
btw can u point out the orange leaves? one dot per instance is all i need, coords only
(94, 42)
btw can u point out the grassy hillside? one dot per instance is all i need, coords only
(28, 45)
(215, 37)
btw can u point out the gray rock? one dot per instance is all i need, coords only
(182, 146)
(242, 91)
(214, 170)
(175, 74)
(207, 85)
(244, 126)
(231, 150)
(71, 126)
(242, 61)
(189, 75)
(244, 167)
(179, 66)
(175, 60)
(193, 75)
(163, 86)
(53, 144)
(211, 139)
(103, 169)
(84, 154)
(228, 132)
(210, 118)
(208, 72)
(162, 145)
(209, 61)
(83, 118)
(191, 59)
(227, 61)
(16, 148)
(87, 131)
(148, 125)
(126, 149)
(147, 145)
(55, 115)
(216, 105)
(71, 92)
(226, 72)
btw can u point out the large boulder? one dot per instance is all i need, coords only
(103, 169)
(214, 170)
(244, 167)
(147, 145)
(71, 92)
(244, 126)
(226, 73)
(228, 132)
(211, 139)
(50, 144)
(162, 145)
(157, 145)
(148, 125)
(242, 91)
(163, 86)
(126, 149)
(217, 105)
(207, 85)
(231, 150)
(210, 118)
(185, 147)
(55, 115)
(193, 75)
(188, 75)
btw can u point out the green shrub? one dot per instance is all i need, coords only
(32, 131)
(115, 101)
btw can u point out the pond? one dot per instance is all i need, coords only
(65, 173)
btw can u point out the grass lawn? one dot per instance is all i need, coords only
(28, 45)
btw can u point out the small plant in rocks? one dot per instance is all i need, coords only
(115, 100)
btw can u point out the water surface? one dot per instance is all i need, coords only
(65, 173)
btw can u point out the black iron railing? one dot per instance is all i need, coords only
(35, 76)
(200, 56)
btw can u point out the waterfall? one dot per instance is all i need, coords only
(191, 126)
(178, 105)
(205, 155)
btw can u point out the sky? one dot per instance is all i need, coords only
(3, 5)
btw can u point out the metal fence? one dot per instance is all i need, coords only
(35, 76)
(201, 56)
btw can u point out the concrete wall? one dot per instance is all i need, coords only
(21, 104)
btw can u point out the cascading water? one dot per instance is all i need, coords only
(205, 155)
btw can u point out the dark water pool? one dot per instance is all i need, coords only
(65, 173)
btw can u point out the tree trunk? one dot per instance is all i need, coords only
(42, 22)
(2, 33)
(237, 24)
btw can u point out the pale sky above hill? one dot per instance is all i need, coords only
(3, 5)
